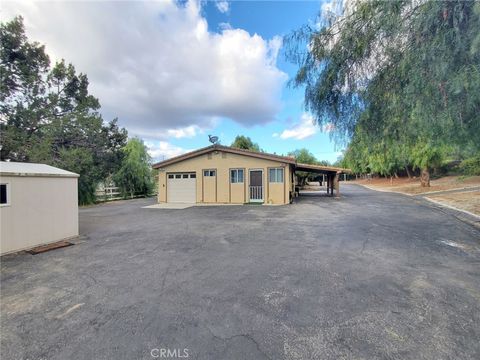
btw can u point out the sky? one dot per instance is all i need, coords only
(173, 72)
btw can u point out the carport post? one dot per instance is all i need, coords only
(337, 185)
(332, 184)
(328, 184)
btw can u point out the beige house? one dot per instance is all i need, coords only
(221, 174)
(38, 205)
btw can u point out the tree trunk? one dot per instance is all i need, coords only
(425, 178)
(408, 172)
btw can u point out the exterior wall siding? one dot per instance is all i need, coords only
(41, 210)
(219, 189)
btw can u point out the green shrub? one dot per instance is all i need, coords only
(471, 166)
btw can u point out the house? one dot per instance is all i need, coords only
(38, 205)
(221, 174)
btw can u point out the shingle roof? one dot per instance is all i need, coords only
(32, 169)
(261, 155)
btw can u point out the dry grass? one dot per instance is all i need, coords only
(465, 200)
(412, 186)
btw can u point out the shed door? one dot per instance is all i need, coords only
(181, 188)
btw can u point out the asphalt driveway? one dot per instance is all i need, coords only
(371, 276)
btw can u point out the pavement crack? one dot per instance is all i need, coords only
(246, 336)
(164, 278)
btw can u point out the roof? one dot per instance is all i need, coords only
(32, 169)
(205, 150)
(256, 154)
(319, 168)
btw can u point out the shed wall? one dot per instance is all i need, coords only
(42, 210)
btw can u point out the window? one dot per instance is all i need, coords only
(185, 176)
(193, 176)
(236, 176)
(170, 176)
(178, 176)
(276, 175)
(4, 194)
(209, 173)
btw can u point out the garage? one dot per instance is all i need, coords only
(181, 187)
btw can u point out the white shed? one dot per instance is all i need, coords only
(38, 205)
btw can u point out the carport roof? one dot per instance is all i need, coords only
(319, 169)
(261, 155)
(10, 168)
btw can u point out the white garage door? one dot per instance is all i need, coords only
(181, 188)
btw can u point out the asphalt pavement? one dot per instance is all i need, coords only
(371, 275)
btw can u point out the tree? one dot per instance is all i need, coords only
(135, 174)
(48, 116)
(400, 79)
(303, 156)
(244, 142)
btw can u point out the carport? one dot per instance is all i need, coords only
(332, 175)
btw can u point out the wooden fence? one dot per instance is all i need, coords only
(108, 193)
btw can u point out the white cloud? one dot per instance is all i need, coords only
(162, 150)
(222, 6)
(301, 130)
(178, 133)
(156, 66)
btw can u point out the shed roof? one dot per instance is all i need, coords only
(32, 169)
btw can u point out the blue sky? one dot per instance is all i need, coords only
(172, 72)
(269, 19)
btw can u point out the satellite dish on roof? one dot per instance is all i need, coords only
(213, 139)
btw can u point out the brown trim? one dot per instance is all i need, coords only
(267, 186)
(226, 149)
(245, 187)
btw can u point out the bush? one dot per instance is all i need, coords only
(471, 166)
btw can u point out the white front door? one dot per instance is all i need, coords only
(181, 188)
